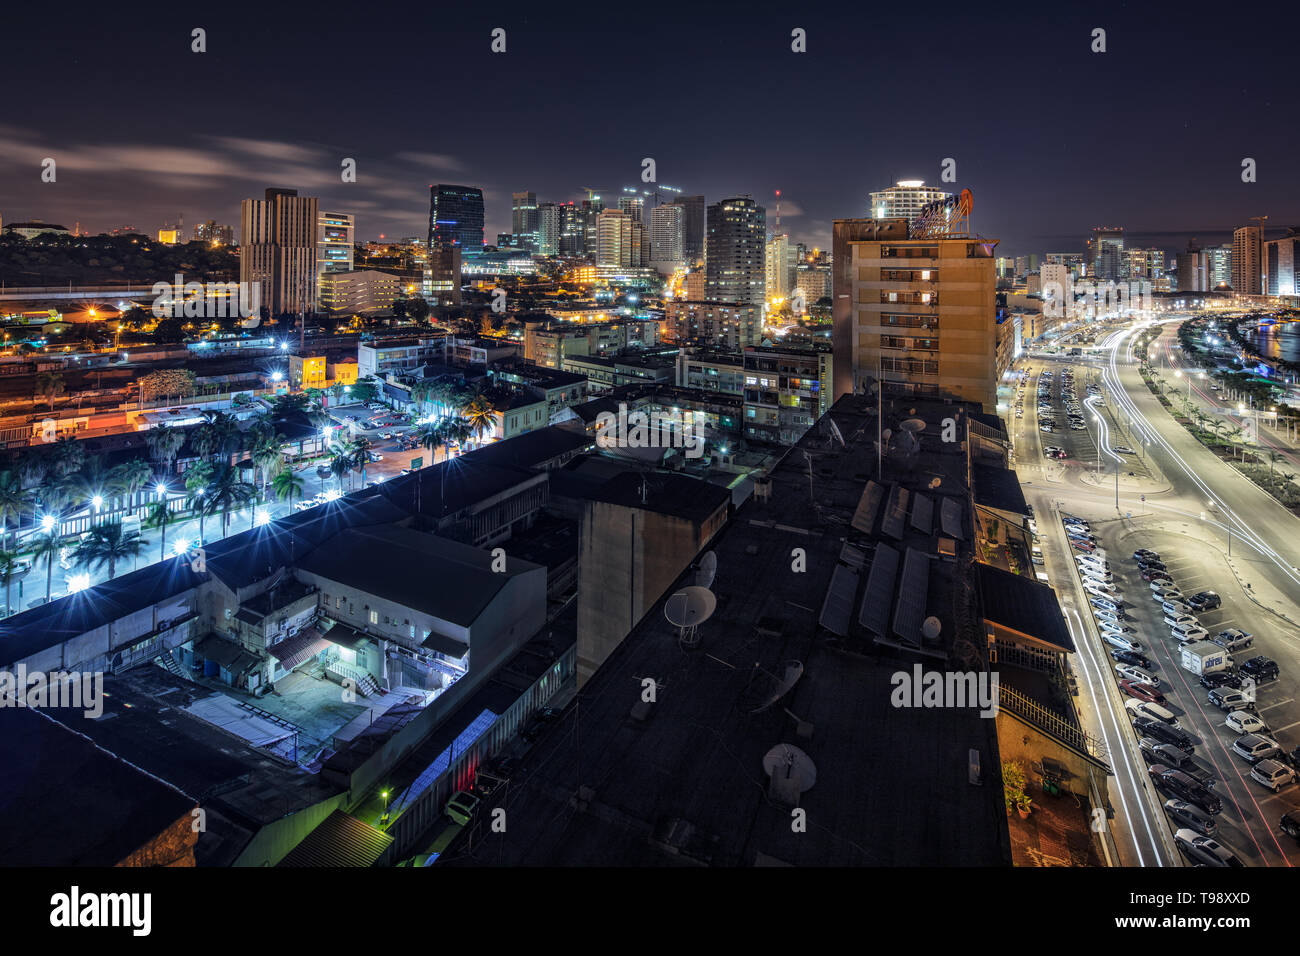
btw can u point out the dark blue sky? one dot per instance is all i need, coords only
(1051, 138)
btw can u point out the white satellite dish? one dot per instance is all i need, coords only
(914, 425)
(707, 569)
(787, 762)
(930, 628)
(791, 674)
(688, 609)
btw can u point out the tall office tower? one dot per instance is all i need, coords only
(524, 218)
(919, 313)
(1144, 264)
(1056, 283)
(442, 275)
(667, 237)
(590, 214)
(1193, 269)
(335, 232)
(456, 217)
(1247, 267)
(277, 249)
(692, 228)
(735, 253)
(633, 207)
(1106, 253)
(550, 227)
(618, 239)
(1281, 258)
(777, 269)
(573, 235)
(1220, 266)
(903, 200)
(1022, 267)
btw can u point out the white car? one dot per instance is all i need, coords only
(1187, 635)
(1096, 575)
(1244, 722)
(1105, 617)
(1163, 593)
(1119, 640)
(1137, 674)
(1181, 620)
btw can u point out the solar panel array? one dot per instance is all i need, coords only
(838, 604)
(876, 599)
(913, 594)
(922, 513)
(864, 518)
(950, 518)
(894, 523)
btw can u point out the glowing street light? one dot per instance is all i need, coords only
(78, 582)
(47, 522)
(97, 501)
(180, 547)
(261, 517)
(277, 375)
(161, 488)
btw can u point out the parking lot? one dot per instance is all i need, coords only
(1249, 821)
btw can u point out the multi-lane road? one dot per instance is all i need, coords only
(1174, 496)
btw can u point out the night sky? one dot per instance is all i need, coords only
(1051, 138)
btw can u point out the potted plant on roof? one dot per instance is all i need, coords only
(1013, 788)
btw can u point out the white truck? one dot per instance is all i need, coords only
(1202, 657)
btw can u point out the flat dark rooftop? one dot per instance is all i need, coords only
(1023, 605)
(999, 488)
(892, 784)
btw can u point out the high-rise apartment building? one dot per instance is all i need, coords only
(442, 276)
(1193, 269)
(667, 237)
(335, 233)
(919, 313)
(1247, 265)
(633, 207)
(456, 217)
(210, 231)
(692, 228)
(618, 239)
(735, 252)
(277, 249)
(778, 267)
(550, 228)
(1145, 265)
(524, 219)
(1280, 260)
(786, 390)
(1106, 254)
(903, 200)
(1219, 266)
(573, 233)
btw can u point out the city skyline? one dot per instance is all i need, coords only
(1040, 177)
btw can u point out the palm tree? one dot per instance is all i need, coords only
(159, 516)
(431, 437)
(286, 484)
(197, 478)
(1273, 459)
(1232, 434)
(164, 442)
(106, 544)
(479, 413)
(359, 449)
(14, 500)
(47, 547)
(49, 386)
(225, 493)
(67, 455)
(130, 476)
(456, 430)
(8, 571)
(265, 448)
(340, 465)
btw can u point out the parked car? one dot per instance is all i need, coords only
(1080, 545)
(1205, 601)
(1156, 752)
(1141, 553)
(1150, 727)
(1244, 722)
(1121, 642)
(1220, 679)
(1144, 708)
(1181, 619)
(1163, 592)
(1155, 575)
(1104, 604)
(461, 807)
(1142, 691)
(1203, 850)
(1131, 657)
(1169, 780)
(1187, 635)
(1192, 817)
(1290, 824)
(1255, 747)
(1233, 639)
(1230, 700)
(1260, 668)
(538, 722)
(1272, 774)
(1107, 628)
(1132, 672)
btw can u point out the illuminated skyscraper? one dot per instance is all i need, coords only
(277, 249)
(903, 200)
(666, 237)
(1247, 268)
(735, 252)
(456, 217)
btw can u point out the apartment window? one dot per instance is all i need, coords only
(374, 617)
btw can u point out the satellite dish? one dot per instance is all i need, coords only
(914, 425)
(688, 609)
(835, 431)
(779, 688)
(789, 763)
(707, 569)
(886, 433)
(930, 628)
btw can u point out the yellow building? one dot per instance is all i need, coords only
(169, 237)
(919, 312)
(343, 373)
(307, 371)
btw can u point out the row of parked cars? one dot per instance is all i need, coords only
(1191, 802)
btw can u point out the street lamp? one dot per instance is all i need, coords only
(47, 522)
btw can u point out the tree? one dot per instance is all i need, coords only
(226, 492)
(430, 436)
(14, 500)
(265, 448)
(1273, 459)
(456, 430)
(365, 390)
(130, 476)
(8, 571)
(286, 484)
(479, 413)
(166, 383)
(197, 479)
(107, 544)
(164, 442)
(340, 464)
(159, 516)
(50, 386)
(359, 449)
(47, 547)
(288, 403)
(168, 331)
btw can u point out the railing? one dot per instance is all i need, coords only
(1052, 724)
